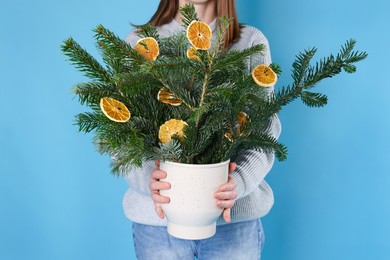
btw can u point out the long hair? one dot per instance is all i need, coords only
(168, 9)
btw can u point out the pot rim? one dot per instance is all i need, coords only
(188, 165)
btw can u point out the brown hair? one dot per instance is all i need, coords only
(168, 9)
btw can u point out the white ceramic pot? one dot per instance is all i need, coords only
(192, 213)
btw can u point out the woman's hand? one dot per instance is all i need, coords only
(227, 194)
(156, 185)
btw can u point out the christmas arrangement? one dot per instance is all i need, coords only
(186, 98)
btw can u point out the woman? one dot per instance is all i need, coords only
(245, 198)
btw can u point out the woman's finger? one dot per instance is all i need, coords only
(232, 167)
(227, 195)
(159, 211)
(158, 174)
(157, 198)
(226, 215)
(229, 185)
(156, 185)
(159, 185)
(157, 163)
(225, 204)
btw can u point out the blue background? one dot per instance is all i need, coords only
(58, 200)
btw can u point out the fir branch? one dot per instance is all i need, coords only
(83, 61)
(147, 125)
(179, 93)
(91, 92)
(168, 71)
(325, 68)
(331, 66)
(168, 64)
(350, 57)
(204, 88)
(90, 121)
(213, 91)
(284, 96)
(301, 65)
(223, 26)
(264, 143)
(184, 95)
(306, 76)
(188, 14)
(114, 133)
(113, 64)
(215, 122)
(170, 151)
(190, 142)
(314, 99)
(146, 105)
(213, 153)
(276, 68)
(175, 45)
(261, 115)
(130, 83)
(199, 113)
(230, 60)
(117, 47)
(200, 138)
(126, 155)
(148, 30)
(114, 57)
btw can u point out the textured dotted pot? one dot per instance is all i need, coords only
(192, 213)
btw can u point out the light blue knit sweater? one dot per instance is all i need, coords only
(255, 197)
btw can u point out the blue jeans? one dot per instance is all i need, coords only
(242, 240)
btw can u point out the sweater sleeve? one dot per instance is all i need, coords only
(138, 178)
(252, 165)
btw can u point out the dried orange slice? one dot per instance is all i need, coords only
(170, 128)
(148, 48)
(242, 118)
(264, 76)
(229, 136)
(114, 110)
(168, 97)
(199, 34)
(192, 53)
